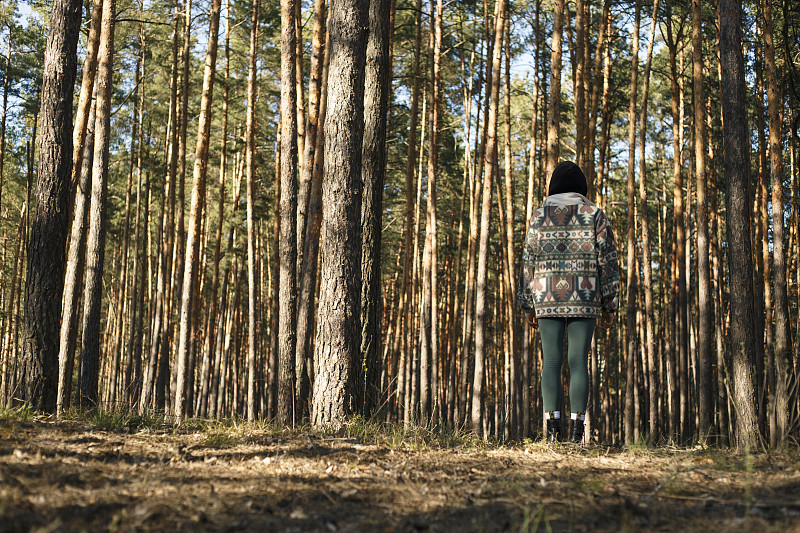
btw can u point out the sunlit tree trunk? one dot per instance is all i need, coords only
(308, 278)
(338, 330)
(632, 270)
(489, 162)
(287, 317)
(780, 406)
(191, 264)
(95, 240)
(304, 356)
(82, 113)
(679, 291)
(647, 279)
(74, 274)
(38, 369)
(250, 173)
(704, 308)
(210, 366)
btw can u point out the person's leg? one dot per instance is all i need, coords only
(579, 343)
(551, 331)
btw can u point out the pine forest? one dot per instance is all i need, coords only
(306, 212)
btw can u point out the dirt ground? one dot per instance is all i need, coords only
(71, 476)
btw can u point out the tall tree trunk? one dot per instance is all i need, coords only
(597, 85)
(512, 318)
(250, 128)
(407, 305)
(74, 273)
(632, 274)
(287, 319)
(83, 112)
(304, 358)
(308, 278)
(373, 168)
(191, 263)
(95, 241)
(38, 368)
(579, 72)
(737, 205)
(211, 370)
(6, 82)
(778, 433)
(489, 162)
(647, 280)
(338, 330)
(554, 113)
(704, 308)
(681, 337)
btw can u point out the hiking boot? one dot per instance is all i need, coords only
(553, 429)
(577, 431)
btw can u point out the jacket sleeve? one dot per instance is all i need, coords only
(607, 264)
(525, 295)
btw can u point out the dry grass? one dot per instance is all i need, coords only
(147, 475)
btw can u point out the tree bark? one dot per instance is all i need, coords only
(373, 156)
(338, 329)
(554, 113)
(308, 278)
(679, 235)
(782, 347)
(74, 273)
(737, 205)
(250, 164)
(489, 162)
(704, 303)
(195, 214)
(647, 280)
(38, 368)
(83, 112)
(95, 240)
(287, 318)
(632, 273)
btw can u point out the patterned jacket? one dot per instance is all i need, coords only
(569, 263)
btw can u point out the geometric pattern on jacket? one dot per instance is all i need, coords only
(569, 263)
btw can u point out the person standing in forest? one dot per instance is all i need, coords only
(569, 278)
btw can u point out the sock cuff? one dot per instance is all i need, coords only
(578, 416)
(552, 414)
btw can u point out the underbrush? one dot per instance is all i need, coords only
(415, 437)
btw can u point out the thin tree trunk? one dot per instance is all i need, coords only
(287, 318)
(308, 278)
(195, 215)
(250, 164)
(373, 156)
(211, 370)
(579, 71)
(778, 432)
(74, 274)
(678, 222)
(95, 241)
(83, 112)
(632, 270)
(490, 159)
(704, 308)
(647, 280)
(554, 113)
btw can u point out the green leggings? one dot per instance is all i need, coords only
(579, 342)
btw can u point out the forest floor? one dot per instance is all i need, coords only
(118, 474)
